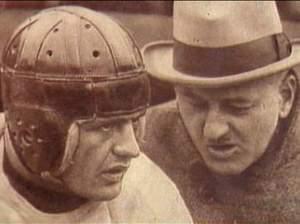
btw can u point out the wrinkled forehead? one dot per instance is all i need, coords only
(248, 90)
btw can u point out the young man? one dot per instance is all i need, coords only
(231, 140)
(74, 96)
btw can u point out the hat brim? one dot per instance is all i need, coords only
(158, 58)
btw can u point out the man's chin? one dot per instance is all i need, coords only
(226, 169)
(106, 193)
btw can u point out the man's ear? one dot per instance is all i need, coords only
(288, 87)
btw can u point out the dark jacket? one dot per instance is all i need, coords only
(268, 192)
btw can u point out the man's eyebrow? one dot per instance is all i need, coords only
(98, 122)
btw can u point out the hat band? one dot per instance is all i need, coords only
(218, 62)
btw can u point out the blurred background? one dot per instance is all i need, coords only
(146, 20)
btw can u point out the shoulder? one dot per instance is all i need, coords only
(163, 112)
(167, 142)
(145, 174)
(161, 123)
(8, 214)
(150, 196)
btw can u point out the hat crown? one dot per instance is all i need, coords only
(213, 23)
(222, 43)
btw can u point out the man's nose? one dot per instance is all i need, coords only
(125, 142)
(215, 127)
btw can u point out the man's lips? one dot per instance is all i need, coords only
(114, 173)
(222, 151)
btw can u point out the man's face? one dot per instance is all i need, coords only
(102, 158)
(231, 127)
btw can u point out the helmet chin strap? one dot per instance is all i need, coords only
(70, 150)
(53, 178)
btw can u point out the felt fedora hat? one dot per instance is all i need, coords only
(219, 43)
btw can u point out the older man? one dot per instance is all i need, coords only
(230, 141)
(74, 95)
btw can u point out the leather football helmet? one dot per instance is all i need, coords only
(63, 64)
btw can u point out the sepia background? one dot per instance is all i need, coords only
(146, 20)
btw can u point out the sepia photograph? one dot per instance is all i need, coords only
(150, 112)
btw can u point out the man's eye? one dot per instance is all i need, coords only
(239, 109)
(198, 104)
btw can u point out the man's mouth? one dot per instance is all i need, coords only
(222, 151)
(114, 173)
